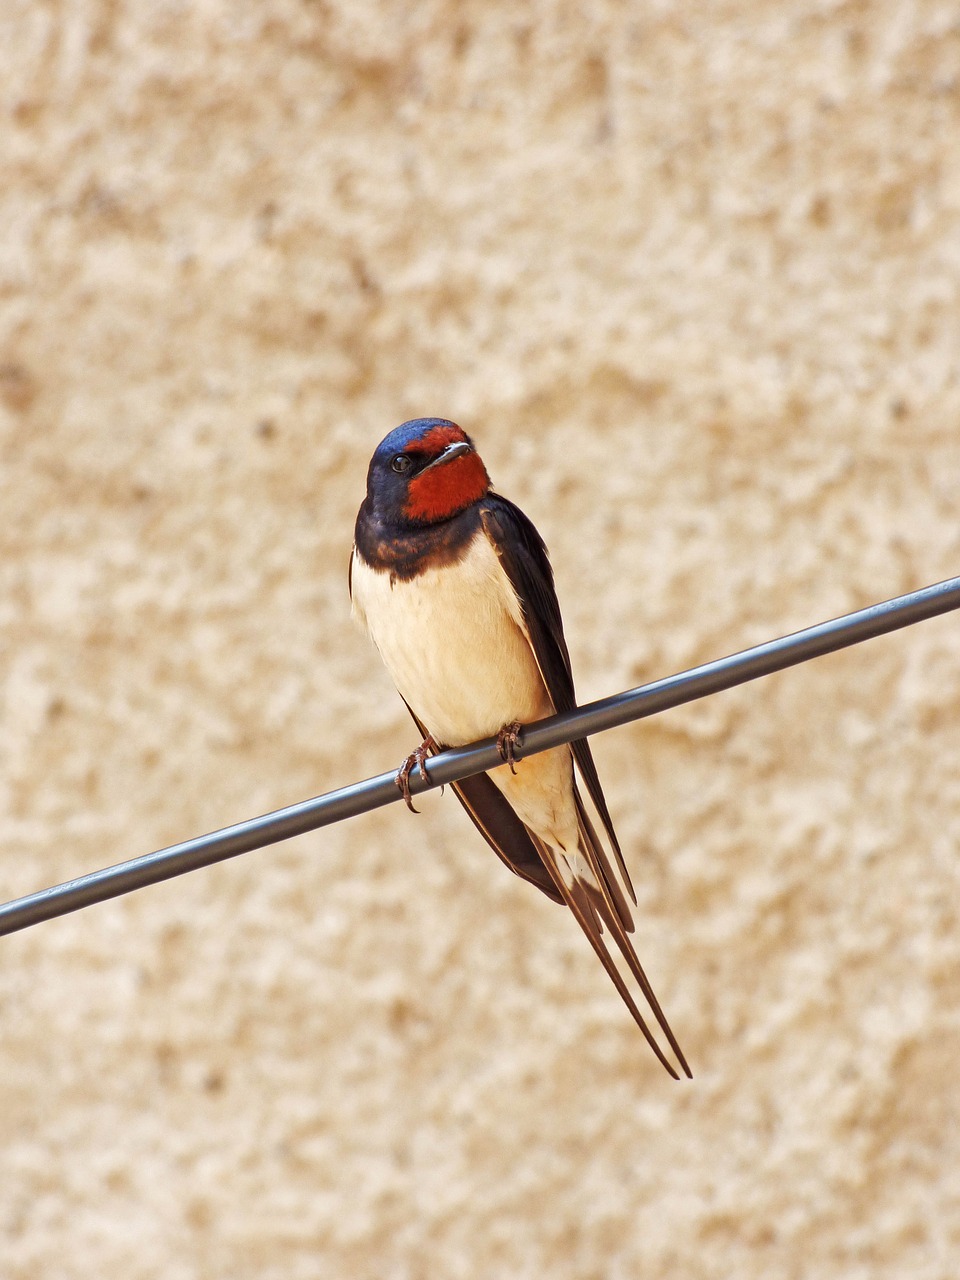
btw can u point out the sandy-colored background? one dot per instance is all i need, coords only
(690, 276)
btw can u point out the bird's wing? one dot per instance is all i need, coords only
(524, 558)
(503, 831)
(593, 893)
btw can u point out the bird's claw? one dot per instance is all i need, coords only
(415, 761)
(508, 739)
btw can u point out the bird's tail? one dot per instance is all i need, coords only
(591, 889)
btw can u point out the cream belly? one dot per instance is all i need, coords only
(454, 643)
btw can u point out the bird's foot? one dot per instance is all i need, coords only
(415, 761)
(508, 739)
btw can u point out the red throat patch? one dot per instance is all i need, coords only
(445, 490)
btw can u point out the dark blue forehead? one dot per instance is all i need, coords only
(407, 433)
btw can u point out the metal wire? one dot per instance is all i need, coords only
(463, 762)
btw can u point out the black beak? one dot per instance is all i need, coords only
(450, 452)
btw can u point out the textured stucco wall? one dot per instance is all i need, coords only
(690, 276)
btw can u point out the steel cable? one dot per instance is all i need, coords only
(462, 762)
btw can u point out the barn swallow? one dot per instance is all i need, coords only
(454, 585)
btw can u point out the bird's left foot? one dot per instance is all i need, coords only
(508, 739)
(415, 761)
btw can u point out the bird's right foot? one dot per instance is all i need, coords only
(415, 761)
(508, 740)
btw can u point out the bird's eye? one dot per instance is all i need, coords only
(401, 463)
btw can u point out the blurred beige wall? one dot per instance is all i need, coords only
(690, 276)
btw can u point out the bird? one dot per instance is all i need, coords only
(453, 583)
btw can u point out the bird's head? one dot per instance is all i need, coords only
(424, 472)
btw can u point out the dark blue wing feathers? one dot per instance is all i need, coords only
(524, 557)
